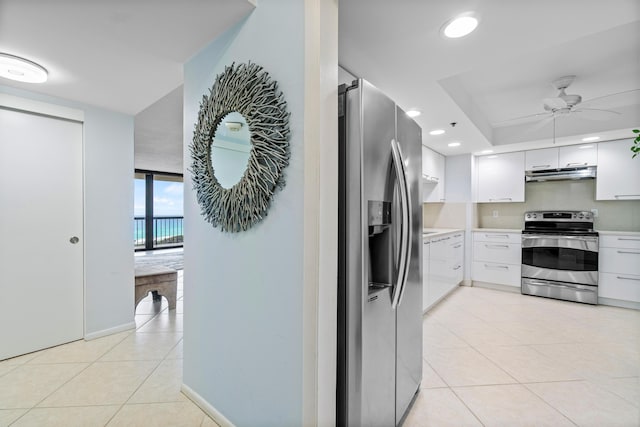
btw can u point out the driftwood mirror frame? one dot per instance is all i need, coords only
(249, 90)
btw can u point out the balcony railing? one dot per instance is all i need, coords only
(167, 232)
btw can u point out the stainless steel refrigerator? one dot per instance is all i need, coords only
(379, 259)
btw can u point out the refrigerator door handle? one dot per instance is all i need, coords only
(405, 229)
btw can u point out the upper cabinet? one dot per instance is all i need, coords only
(501, 178)
(571, 156)
(541, 159)
(618, 174)
(433, 168)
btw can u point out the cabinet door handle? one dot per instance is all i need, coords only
(497, 246)
(503, 198)
(628, 278)
(457, 246)
(489, 236)
(617, 196)
(577, 164)
(629, 252)
(625, 238)
(496, 267)
(540, 166)
(457, 268)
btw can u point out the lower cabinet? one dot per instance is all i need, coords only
(497, 258)
(619, 268)
(443, 266)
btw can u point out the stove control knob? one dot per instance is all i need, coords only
(581, 216)
(528, 216)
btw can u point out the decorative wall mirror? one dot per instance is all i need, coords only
(240, 147)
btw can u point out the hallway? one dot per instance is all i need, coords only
(128, 379)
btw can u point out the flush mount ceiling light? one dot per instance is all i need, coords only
(454, 144)
(20, 69)
(436, 132)
(460, 26)
(413, 113)
(591, 138)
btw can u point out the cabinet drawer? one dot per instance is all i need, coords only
(625, 242)
(502, 237)
(614, 260)
(503, 274)
(447, 247)
(507, 253)
(619, 286)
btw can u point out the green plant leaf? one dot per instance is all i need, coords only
(636, 131)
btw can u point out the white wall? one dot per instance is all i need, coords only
(108, 215)
(248, 296)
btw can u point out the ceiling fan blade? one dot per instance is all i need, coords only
(522, 119)
(594, 113)
(541, 125)
(627, 97)
(551, 104)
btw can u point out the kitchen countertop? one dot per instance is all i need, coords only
(435, 232)
(619, 233)
(499, 230)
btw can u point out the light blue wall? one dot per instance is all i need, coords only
(108, 215)
(243, 293)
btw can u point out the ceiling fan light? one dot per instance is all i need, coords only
(460, 26)
(22, 70)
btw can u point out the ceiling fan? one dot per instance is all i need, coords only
(565, 105)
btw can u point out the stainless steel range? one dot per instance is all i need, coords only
(560, 256)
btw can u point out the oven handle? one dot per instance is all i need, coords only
(560, 237)
(554, 285)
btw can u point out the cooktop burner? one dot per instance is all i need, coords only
(559, 222)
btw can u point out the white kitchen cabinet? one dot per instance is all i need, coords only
(443, 270)
(426, 245)
(577, 155)
(501, 178)
(541, 159)
(433, 170)
(619, 268)
(618, 174)
(497, 257)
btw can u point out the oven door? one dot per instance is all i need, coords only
(560, 258)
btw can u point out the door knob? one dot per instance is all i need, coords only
(74, 240)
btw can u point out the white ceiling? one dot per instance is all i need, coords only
(501, 71)
(122, 55)
(126, 55)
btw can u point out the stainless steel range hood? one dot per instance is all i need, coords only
(584, 172)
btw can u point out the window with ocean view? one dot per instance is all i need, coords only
(158, 210)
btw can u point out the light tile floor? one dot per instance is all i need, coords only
(490, 358)
(128, 379)
(496, 358)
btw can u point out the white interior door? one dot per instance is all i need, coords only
(41, 210)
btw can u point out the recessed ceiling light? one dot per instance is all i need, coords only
(20, 69)
(584, 147)
(436, 132)
(413, 113)
(460, 26)
(486, 151)
(591, 138)
(492, 157)
(453, 144)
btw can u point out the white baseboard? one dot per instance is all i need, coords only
(496, 286)
(206, 407)
(619, 303)
(103, 333)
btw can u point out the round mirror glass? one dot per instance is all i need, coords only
(230, 149)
